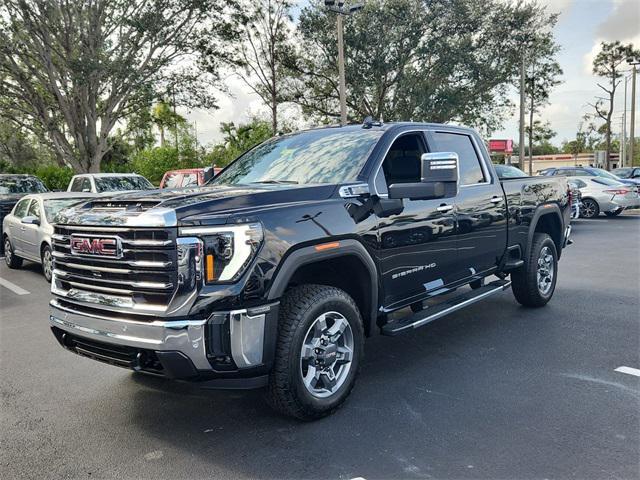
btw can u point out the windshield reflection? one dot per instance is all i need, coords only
(316, 156)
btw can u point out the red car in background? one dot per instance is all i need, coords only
(188, 177)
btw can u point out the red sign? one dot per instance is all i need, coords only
(501, 146)
(94, 246)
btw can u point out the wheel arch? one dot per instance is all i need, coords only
(347, 266)
(546, 219)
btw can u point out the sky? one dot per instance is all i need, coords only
(582, 25)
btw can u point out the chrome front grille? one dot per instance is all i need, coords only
(142, 280)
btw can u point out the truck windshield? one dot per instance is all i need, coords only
(115, 184)
(316, 156)
(10, 185)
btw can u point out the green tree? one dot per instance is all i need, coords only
(541, 77)
(165, 118)
(434, 60)
(237, 140)
(258, 40)
(77, 68)
(608, 64)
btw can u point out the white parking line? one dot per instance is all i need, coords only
(629, 370)
(13, 287)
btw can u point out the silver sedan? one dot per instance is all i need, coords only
(604, 195)
(27, 229)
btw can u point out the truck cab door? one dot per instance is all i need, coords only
(416, 245)
(480, 205)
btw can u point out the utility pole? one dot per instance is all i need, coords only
(633, 114)
(338, 7)
(623, 143)
(522, 100)
(343, 87)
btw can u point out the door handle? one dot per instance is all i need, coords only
(444, 208)
(496, 199)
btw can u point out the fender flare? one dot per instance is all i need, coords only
(543, 210)
(307, 255)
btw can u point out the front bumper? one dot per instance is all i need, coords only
(225, 346)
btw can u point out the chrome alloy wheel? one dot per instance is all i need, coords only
(546, 271)
(47, 264)
(326, 355)
(588, 209)
(8, 253)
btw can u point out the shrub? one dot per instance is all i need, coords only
(154, 162)
(54, 177)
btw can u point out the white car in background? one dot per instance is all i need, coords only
(28, 228)
(604, 195)
(108, 182)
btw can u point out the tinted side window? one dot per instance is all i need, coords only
(21, 208)
(403, 161)
(76, 186)
(34, 209)
(470, 168)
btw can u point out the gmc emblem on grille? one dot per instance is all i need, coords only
(106, 246)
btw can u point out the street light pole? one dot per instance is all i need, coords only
(342, 86)
(623, 143)
(339, 7)
(522, 100)
(633, 115)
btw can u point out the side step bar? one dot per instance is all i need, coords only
(435, 312)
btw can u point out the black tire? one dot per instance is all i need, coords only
(10, 258)
(299, 310)
(45, 256)
(613, 214)
(589, 208)
(525, 281)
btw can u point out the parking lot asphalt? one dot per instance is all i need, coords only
(493, 391)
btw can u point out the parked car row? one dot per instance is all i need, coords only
(27, 209)
(602, 191)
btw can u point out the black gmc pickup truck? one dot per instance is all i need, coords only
(274, 273)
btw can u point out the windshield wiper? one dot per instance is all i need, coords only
(278, 182)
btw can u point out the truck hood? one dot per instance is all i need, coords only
(191, 206)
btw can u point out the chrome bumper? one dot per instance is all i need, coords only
(247, 333)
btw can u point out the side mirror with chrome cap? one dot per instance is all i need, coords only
(30, 220)
(439, 178)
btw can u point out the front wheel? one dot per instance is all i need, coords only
(533, 284)
(11, 259)
(590, 208)
(318, 353)
(47, 263)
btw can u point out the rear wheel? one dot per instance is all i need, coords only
(590, 208)
(533, 284)
(12, 260)
(47, 263)
(318, 354)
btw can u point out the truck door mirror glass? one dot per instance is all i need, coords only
(439, 178)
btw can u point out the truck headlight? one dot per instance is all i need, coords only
(228, 249)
